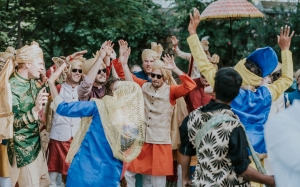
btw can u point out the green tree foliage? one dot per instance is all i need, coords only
(62, 27)
(248, 34)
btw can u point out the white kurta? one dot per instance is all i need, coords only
(282, 135)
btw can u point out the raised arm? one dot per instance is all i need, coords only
(177, 91)
(124, 69)
(206, 68)
(105, 50)
(177, 51)
(72, 109)
(286, 80)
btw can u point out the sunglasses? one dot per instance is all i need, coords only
(75, 70)
(153, 75)
(104, 71)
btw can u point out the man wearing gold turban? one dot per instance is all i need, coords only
(155, 160)
(148, 57)
(28, 166)
(6, 117)
(59, 143)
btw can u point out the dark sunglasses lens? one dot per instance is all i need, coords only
(104, 71)
(158, 76)
(75, 70)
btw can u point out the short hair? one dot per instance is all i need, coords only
(252, 67)
(227, 84)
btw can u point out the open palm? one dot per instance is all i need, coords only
(169, 61)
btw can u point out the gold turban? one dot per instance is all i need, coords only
(249, 78)
(180, 109)
(8, 54)
(87, 65)
(29, 54)
(122, 117)
(77, 62)
(155, 52)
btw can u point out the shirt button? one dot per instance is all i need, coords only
(71, 125)
(152, 96)
(150, 110)
(148, 125)
(149, 118)
(152, 103)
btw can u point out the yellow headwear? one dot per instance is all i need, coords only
(167, 74)
(29, 54)
(77, 62)
(8, 54)
(87, 65)
(155, 52)
(248, 77)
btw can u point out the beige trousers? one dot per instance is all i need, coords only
(34, 174)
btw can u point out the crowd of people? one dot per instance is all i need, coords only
(114, 125)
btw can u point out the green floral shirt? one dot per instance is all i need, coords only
(26, 140)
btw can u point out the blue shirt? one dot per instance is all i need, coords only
(142, 75)
(294, 95)
(253, 109)
(94, 163)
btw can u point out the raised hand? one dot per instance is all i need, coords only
(41, 100)
(43, 79)
(123, 59)
(284, 39)
(194, 22)
(56, 74)
(174, 41)
(123, 46)
(76, 55)
(169, 61)
(109, 48)
(113, 55)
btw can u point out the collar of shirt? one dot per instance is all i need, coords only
(69, 87)
(212, 105)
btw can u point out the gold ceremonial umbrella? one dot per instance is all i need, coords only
(230, 9)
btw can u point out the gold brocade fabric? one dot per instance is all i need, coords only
(155, 51)
(248, 77)
(122, 117)
(6, 115)
(4, 168)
